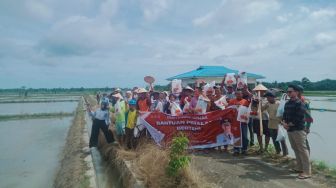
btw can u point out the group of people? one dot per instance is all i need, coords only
(296, 118)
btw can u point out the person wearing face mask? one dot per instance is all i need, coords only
(101, 121)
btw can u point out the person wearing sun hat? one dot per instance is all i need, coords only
(308, 117)
(119, 110)
(131, 119)
(271, 107)
(143, 102)
(100, 121)
(293, 122)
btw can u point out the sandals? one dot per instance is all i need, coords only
(303, 177)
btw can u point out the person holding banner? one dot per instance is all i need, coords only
(239, 101)
(218, 96)
(160, 103)
(185, 96)
(172, 107)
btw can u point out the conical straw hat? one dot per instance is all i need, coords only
(260, 87)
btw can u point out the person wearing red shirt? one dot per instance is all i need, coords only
(239, 101)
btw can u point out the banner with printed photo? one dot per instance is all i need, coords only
(203, 131)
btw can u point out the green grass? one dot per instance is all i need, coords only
(34, 116)
(320, 93)
(320, 165)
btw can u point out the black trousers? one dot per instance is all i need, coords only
(96, 126)
(130, 140)
(274, 134)
(250, 129)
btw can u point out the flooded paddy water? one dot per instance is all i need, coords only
(323, 130)
(30, 151)
(31, 148)
(32, 108)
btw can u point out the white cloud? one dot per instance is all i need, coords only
(323, 14)
(39, 9)
(153, 9)
(318, 43)
(109, 8)
(234, 12)
(284, 18)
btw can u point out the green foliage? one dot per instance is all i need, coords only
(323, 85)
(320, 165)
(178, 157)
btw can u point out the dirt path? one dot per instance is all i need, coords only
(227, 171)
(73, 166)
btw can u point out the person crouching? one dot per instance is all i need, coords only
(101, 121)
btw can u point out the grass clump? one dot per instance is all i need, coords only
(320, 165)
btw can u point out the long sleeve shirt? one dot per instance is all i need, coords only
(294, 115)
(101, 115)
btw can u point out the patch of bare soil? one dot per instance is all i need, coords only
(73, 167)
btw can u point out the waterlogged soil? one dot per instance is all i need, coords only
(32, 108)
(30, 151)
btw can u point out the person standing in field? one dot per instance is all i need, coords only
(254, 117)
(218, 95)
(98, 97)
(293, 122)
(273, 125)
(131, 119)
(119, 111)
(239, 101)
(161, 103)
(101, 121)
(247, 95)
(308, 118)
(154, 100)
(128, 96)
(144, 102)
(172, 107)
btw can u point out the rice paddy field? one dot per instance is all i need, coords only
(31, 146)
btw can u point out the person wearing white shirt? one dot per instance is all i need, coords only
(100, 121)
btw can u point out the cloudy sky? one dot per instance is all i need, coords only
(98, 43)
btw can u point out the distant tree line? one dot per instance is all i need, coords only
(23, 91)
(323, 85)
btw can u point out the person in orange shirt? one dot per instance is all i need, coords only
(239, 101)
(144, 102)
